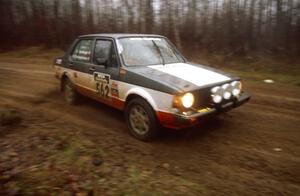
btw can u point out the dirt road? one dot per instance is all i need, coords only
(86, 149)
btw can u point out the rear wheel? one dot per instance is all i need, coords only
(141, 119)
(69, 91)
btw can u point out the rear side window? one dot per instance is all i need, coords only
(82, 51)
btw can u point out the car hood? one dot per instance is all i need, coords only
(183, 76)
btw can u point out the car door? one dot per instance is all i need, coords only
(104, 73)
(80, 61)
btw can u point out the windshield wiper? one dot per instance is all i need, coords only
(159, 51)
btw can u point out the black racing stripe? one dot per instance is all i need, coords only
(138, 79)
(155, 79)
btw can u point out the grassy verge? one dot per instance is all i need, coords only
(260, 76)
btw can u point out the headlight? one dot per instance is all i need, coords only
(187, 100)
(217, 94)
(236, 88)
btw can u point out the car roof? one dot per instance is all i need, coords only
(119, 35)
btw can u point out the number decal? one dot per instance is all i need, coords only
(106, 89)
(102, 89)
(102, 84)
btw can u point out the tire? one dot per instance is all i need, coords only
(141, 119)
(70, 93)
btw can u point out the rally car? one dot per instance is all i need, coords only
(148, 78)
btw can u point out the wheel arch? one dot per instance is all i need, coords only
(140, 93)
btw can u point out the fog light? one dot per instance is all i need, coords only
(217, 98)
(216, 90)
(227, 91)
(227, 95)
(217, 94)
(236, 88)
(236, 92)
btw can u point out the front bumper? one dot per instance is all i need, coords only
(184, 121)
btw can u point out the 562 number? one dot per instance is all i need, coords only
(103, 89)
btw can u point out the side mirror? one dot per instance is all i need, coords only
(101, 61)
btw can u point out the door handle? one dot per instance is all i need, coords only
(92, 68)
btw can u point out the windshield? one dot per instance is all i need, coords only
(143, 51)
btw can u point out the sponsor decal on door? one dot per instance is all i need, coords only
(114, 89)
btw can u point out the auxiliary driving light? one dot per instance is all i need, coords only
(217, 94)
(236, 88)
(217, 98)
(226, 91)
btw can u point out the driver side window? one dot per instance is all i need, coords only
(104, 50)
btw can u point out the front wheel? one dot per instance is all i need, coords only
(141, 119)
